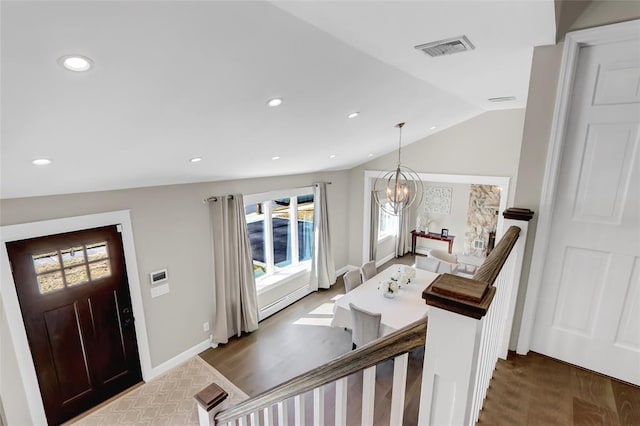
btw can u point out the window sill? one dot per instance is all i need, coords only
(385, 238)
(280, 277)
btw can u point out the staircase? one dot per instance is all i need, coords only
(468, 328)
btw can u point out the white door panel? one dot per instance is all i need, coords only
(589, 306)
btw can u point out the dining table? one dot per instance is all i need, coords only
(405, 308)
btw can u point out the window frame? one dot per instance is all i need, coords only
(266, 198)
(393, 225)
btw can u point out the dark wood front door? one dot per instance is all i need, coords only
(76, 307)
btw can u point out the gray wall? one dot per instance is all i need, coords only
(486, 145)
(171, 224)
(171, 230)
(455, 221)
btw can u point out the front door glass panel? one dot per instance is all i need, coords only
(71, 266)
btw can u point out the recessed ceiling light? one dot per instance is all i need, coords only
(274, 102)
(332, 156)
(195, 159)
(41, 161)
(433, 127)
(353, 114)
(370, 155)
(275, 158)
(76, 63)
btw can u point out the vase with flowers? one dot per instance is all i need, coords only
(389, 288)
(404, 275)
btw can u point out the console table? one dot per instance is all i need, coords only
(431, 236)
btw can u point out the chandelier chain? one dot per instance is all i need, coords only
(399, 126)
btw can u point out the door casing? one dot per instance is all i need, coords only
(573, 42)
(12, 307)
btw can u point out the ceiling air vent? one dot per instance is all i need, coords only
(446, 47)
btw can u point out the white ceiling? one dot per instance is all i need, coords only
(176, 80)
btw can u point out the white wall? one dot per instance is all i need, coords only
(171, 230)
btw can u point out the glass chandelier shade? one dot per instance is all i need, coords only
(397, 189)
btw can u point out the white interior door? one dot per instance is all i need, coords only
(589, 305)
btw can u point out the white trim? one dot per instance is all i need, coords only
(385, 260)
(369, 175)
(573, 42)
(422, 250)
(178, 359)
(345, 269)
(293, 297)
(385, 238)
(274, 195)
(284, 302)
(12, 306)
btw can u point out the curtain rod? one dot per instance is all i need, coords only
(230, 197)
(215, 198)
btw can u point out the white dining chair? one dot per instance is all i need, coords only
(427, 263)
(368, 270)
(365, 326)
(352, 279)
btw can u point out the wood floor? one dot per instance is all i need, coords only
(538, 390)
(531, 390)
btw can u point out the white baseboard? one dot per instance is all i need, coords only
(283, 302)
(178, 359)
(420, 250)
(346, 269)
(385, 260)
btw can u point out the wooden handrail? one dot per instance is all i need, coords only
(394, 344)
(472, 296)
(492, 265)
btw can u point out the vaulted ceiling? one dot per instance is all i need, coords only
(176, 80)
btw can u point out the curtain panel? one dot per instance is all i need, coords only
(323, 271)
(403, 232)
(373, 232)
(235, 297)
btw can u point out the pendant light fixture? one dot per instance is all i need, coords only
(397, 189)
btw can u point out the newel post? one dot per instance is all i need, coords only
(457, 306)
(209, 400)
(469, 327)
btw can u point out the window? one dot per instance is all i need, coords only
(71, 266)
(387, 225)
(280, 228)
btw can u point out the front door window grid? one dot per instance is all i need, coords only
(71, 266)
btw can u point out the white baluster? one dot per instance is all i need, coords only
(253, 418)
(267, 416)
(368, 395)
(298, 411)
(283, 415)
(400, 365)
(341, 402)
(243, 421)
(318, 406)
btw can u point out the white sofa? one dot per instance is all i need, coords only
(448, 262)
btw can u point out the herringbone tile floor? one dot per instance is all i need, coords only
(166, 400)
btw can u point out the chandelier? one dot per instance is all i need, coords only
(397, 189)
